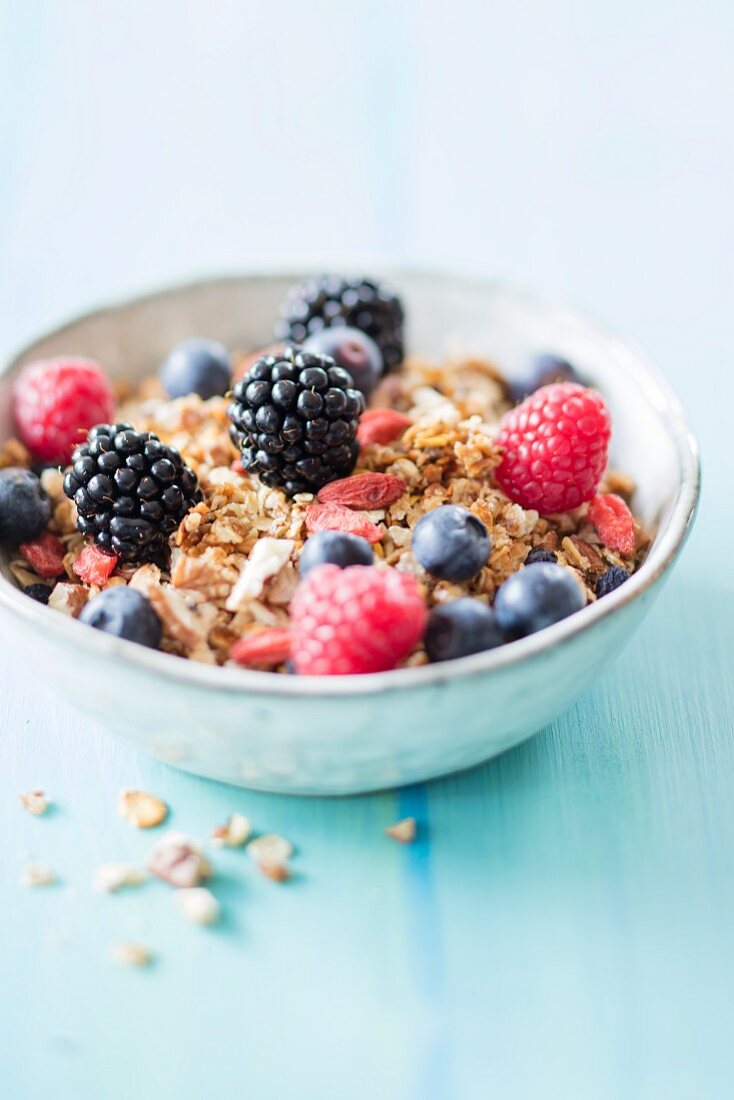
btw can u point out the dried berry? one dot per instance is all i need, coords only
(613, 523)
(270, 646)
(45, 553)
(95, 566)
(335, 517)
(363, 491)
(381, 426)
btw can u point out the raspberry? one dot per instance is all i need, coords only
(355, 620)
(613, 523)
(45, 553)
(55, 401)
(94, 565)
(270, 646)
(363, 491)
(555, 448)
(337, 517)
(381, 426)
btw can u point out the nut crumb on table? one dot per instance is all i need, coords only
(35, 802)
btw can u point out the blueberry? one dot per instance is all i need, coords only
(541, 371)
(536, 596)
(610, 580)
(125, 613)
(451, 543)
(459, 628)
(24, 507)
(335, 548)
(38, 592)
(539, 554)
(353, 351)
(197, 366)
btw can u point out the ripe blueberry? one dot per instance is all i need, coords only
(459, 628)
(335, 547)
(24, 507)
(125, 613)
(451, 542)
(197, 366)
(536, 596)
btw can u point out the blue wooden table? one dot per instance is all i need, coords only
(564, 926)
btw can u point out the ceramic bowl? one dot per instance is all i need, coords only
(350, 734)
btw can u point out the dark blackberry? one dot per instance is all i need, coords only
(610, 580)
(294, 418)
(131, 491)
(327, 300)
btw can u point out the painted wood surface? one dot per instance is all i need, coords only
(564, 926)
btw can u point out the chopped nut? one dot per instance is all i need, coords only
(110, 877)
(37, 874)
(272, 869)
(35, 802)
(268, 557)
(178, 860)
(235, 833)
(198, 904)
(141, 809)
(68, 598)
(404, 831)
(270, 848)
(130, 954)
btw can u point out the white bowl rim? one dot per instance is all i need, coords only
(666, 546)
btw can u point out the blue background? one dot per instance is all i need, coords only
(564, 927)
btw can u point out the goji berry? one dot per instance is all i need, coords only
(381, 426)
(363, 490)
(45, 553)
(613, 522)
(335, 517)
(94, 565)
(270, 646)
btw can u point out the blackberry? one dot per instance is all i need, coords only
(325, 301)
(131, 491)
(294, 418)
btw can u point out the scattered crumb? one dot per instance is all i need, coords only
(178, 860)
(110, 877)
(404, 831)
(37, 874)
(141, 809)
(198, 904)
(35, 802)
(235, 833)
(272, 869)
(130, 954)
(270, 848)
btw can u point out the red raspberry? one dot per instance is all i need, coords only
(360, 619)
(555, 448)
(55, 401)
(614, 523)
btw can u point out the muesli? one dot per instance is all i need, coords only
(325, 506)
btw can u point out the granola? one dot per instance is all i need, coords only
(233, 565)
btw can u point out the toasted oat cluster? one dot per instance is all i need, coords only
(234, 558)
